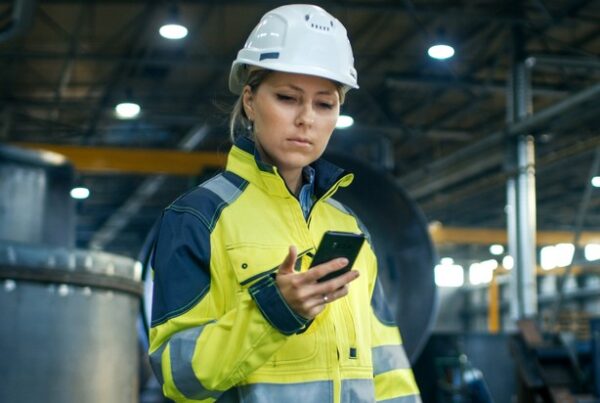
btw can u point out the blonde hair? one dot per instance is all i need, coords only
(239, 124)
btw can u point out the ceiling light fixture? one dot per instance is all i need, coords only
(344, 121)
(127, 110)
(440, 51)
(173, 29)
(80, 193)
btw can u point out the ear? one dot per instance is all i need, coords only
(248, 102)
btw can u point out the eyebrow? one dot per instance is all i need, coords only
(294, 87)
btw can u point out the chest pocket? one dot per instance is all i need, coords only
(252, 261)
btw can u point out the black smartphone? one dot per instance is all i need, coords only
(338, 244)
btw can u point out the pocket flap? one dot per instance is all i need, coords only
(252, 261)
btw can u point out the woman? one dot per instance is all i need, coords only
(237, 316)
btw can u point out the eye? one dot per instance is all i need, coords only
(285, 98)
(325, 105)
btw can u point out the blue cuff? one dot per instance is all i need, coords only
(274, 307)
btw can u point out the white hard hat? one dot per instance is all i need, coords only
(297, 38)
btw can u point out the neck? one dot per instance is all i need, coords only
(292, 178)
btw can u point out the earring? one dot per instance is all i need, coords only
(250, 127)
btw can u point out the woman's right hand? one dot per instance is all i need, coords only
(303, 293)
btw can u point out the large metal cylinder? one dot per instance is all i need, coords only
(35, 205)
(68, 325)
(405, 253)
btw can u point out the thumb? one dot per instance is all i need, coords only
(287, 267)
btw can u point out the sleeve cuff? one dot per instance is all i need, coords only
(274, 307)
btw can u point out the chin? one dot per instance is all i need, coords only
(296, 161)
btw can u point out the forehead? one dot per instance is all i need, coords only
(301, 82)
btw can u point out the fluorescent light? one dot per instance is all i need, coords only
(449, 275)
(173, 31)
(80, 193)
(592, 252)
(446, 261)
(596, 181)
(560, 255)
(441, 52)
(344, 121)
(127, 110)
(508, 262)
(496, 249)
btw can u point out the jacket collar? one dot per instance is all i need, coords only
(244, 160)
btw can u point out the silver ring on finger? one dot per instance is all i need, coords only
(325, 298)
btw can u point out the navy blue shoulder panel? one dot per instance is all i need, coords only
(207, 200)
(181, 259)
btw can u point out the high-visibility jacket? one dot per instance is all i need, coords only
(221, 331)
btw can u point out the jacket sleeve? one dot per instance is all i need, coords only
(197, 349)
(392, 373)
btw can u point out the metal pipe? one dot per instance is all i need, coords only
(520, 189)
(21, 17)
(482, 147)
(563, 61)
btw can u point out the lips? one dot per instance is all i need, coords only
(300, 141)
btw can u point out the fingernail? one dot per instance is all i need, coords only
(343, 261)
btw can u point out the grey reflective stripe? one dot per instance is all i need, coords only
(320, 391)
(388, 358)
(358, 391)
(155, 363)
(346, 210)
(223, 188)
(181, 349)
(338, 205)
(403, 399)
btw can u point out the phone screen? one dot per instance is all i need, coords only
(338, 244)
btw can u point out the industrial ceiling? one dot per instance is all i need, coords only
(440, 129)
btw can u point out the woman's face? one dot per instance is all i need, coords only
(294, 116)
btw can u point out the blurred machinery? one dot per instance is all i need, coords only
(556, 367)
(68, 315)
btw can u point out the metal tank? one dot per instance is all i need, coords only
(68, 316)
(35, 206)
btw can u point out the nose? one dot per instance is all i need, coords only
(306, 115)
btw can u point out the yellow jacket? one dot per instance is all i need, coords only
(220, 329)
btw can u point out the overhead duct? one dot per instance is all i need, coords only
(22, 12)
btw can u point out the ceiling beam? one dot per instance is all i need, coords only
(487, 236)
(131, 207)
(111, 160)
(414, 81)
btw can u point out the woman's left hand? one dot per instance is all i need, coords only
(302, 291)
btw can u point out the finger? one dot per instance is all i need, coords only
(330, 286)
(323, 269)
(324, 299)
(337, 294)
(287, 266)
